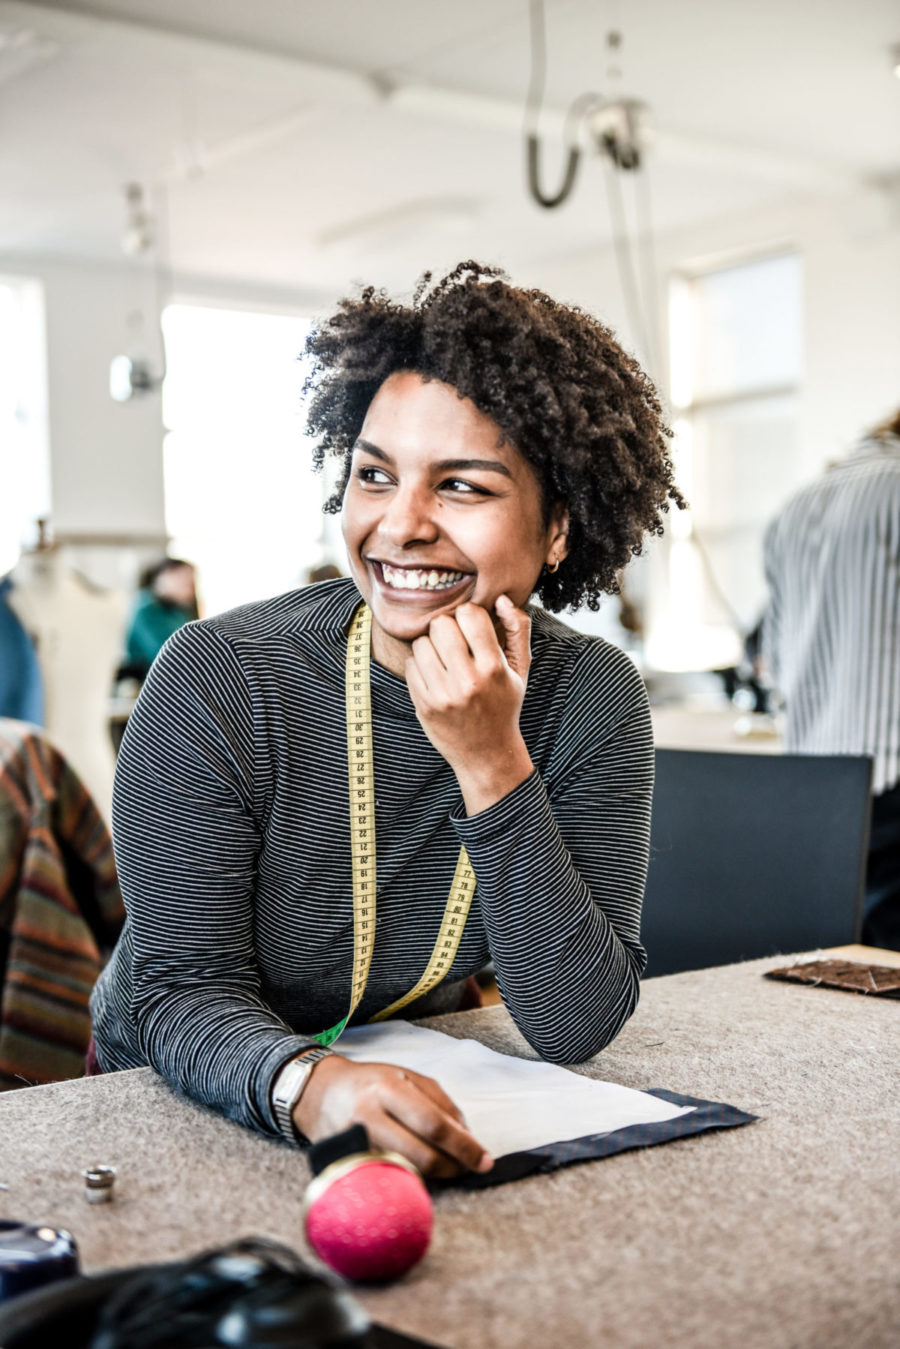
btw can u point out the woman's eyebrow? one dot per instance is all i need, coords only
(368, 448)
(443, 465)
(466, 465)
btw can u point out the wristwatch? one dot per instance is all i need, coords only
(289, 1086)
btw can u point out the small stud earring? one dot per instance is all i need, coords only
(555, 566)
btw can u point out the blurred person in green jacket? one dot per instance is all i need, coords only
(166, 599)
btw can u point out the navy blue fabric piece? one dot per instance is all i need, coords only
(706, 1115)
(21, 692)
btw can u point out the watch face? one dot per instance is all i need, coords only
(291, 1082)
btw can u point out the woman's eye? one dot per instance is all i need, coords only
(464, 487)
(368, 473)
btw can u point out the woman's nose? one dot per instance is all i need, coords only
(408, 518)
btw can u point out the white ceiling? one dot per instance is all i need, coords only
(304, 143)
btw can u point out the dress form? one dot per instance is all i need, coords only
(77, 633)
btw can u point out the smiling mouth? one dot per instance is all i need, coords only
(429, 579)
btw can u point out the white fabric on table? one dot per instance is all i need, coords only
(509, 1104)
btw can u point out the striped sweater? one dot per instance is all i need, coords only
(831, 636)
(60, 909)
(231, 829)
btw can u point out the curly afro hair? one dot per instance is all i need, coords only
(555, 381)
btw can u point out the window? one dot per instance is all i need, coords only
(242, 502)
(24, 439)
(735, 377)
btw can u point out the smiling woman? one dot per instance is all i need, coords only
(495, 445)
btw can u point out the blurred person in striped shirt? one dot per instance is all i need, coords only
(831, 638)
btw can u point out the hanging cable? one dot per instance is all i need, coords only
(615, 125)
(715, 585)
(624, 261)
(648, 266)
(533, 103)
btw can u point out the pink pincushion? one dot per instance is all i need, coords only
(372, 1222)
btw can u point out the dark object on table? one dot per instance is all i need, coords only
(753, 855)
(853, 976)
(334, 1149)
(251, 1294)
(31, 1257)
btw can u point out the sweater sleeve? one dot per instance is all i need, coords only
(561, 864)
(186, 845)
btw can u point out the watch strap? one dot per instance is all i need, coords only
(289, 1085)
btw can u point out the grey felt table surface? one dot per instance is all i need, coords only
(777, 1235)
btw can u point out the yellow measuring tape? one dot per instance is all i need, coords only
(360, 763)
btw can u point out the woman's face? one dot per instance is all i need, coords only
(437, 512)
(176, 584)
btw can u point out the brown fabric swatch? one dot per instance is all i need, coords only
(854, 976)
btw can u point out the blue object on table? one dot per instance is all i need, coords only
(33, 1256)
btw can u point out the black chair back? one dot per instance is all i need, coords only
(754, 855)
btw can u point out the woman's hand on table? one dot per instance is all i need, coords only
(403, 1112)
(468, 691)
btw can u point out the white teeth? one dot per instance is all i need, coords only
(410, 578)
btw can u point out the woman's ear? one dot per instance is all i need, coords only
(558, 547)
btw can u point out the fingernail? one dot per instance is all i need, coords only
(486, 1162)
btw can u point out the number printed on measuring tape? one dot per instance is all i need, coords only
(361, 773)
